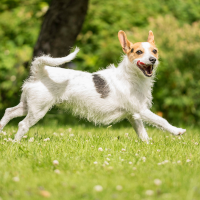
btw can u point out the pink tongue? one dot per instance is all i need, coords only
(140, 63)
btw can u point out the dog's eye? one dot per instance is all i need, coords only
(139, 52)
(131, 50)
(155, 51)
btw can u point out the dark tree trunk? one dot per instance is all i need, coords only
(62, 23)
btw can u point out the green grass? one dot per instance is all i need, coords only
(32, 163)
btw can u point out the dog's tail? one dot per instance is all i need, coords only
(39, 62)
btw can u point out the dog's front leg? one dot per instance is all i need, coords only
(160, 122)
(139, 128)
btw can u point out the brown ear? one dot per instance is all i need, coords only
(150, 37)
(124, 41)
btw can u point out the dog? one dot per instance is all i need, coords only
(104, 97)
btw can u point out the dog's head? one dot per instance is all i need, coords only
(143, 55)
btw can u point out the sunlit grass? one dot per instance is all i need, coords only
(99, 163)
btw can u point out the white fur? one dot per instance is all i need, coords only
(129, 97)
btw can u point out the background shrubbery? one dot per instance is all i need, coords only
(175, 24)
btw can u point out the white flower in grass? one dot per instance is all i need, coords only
(149, 192)
(16, 179)
(108, 159)
(55, 162)
(178, 161)
(144, 159)
(136, 140)
(98, 188)
(159, 163)
(167, 136)
(196, 143)
(188, 160)
(47, 139)
(9, 140)
(157, 182)
(5, 139)
(57, 171)
(100, 149)
(123, 150)
(71, 135)
(4, 133)
(126, 134)
(130, 163)
(31, 139)
(158, 150)
(61, 134)
(25, 136)
(134, 168)
(166, 161)
(136, 154)
(95, 162)
(119, 187)
(109, 154)
(106, 163)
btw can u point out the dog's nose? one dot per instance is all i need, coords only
(152, 59)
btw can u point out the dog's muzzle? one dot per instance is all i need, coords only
(145, 68)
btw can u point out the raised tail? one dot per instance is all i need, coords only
(39, 62)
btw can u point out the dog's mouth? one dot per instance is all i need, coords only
(146, 69)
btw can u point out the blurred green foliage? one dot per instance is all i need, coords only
(175, 24)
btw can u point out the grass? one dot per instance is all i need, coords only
(126, 168)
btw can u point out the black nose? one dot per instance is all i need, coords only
(152, 59)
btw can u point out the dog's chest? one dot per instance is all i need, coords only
(141, 95)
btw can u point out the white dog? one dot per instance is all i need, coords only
(103, 97)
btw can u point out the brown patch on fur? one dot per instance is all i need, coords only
(101, 85)
(133, 55)
(151, 48)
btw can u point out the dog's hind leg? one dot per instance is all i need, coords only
(33, 116)
(139, 128)
(10, 113)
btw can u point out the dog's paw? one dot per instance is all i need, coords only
(17, 138)
(179, 131)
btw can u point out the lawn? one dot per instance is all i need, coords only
(99, 163)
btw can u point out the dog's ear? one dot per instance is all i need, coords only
(151, 37)
(124, 41)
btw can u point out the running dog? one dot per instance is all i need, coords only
(104, 97)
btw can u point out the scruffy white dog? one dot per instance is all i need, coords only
(103, 97)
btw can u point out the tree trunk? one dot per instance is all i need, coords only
(62, 23)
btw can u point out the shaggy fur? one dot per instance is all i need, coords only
(103, 97)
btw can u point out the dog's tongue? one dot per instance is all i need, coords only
(140, 63)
